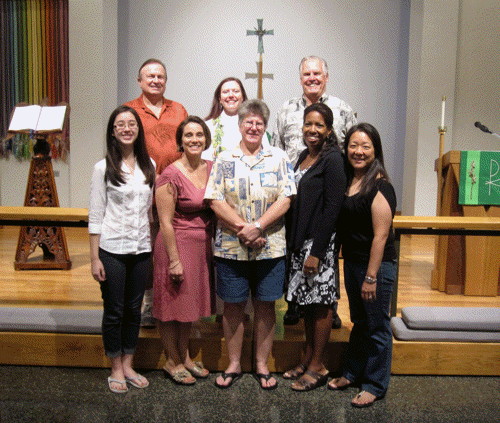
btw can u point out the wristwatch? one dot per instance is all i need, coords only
(258, 226)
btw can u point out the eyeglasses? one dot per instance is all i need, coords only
(122, 125)
(249, 124)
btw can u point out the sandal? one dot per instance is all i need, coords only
(198, 370)
(180, 377)
(366, 404)
(296, 372)
(259, 376)
(304, 384)
(121, 382)
(334, 384)
(139, 378)
(234, 377)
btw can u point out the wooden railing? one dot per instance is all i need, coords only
(416, 225)
(44, 216)
(440, 225)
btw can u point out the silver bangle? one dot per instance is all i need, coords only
(370, 280)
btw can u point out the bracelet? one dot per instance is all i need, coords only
(370, 280)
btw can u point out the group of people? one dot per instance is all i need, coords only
(266, 214)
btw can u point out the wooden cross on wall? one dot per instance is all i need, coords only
(260, 32)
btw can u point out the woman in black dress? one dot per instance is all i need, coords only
(313, 284)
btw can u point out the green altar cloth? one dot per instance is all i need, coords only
(479, 178)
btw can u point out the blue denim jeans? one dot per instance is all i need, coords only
(369, 354)
(263, 278)
(122, 293)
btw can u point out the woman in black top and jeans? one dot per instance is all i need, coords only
(313, 281)
(365, 230)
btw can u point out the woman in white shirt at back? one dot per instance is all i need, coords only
(223, 118)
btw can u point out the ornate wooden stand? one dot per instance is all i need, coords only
(41, 191)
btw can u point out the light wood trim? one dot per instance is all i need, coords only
(68, 214)
(445, 358)
(448, 222)
(78, 350)
(72, 214)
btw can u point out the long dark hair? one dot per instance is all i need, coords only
(377, 168)
(217, 108)
(325, 111)
(114, 173)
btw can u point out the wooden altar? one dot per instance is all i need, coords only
(463, 264)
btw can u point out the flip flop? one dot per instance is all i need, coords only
(234, 377)
(367, 404)
(259, 376)
(121, 382)
(140, 378)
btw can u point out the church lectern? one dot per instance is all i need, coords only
(467, 265)
(40, 121)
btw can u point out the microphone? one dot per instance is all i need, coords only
(482, 127)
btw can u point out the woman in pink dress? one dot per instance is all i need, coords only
(183, 275)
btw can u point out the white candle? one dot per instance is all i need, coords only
(442, 111)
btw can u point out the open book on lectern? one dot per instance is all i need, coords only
(39, 119)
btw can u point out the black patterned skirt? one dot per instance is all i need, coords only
(323, 287)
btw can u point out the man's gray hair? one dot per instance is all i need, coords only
(253, 107)
(320, 59)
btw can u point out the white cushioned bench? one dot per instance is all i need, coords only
(58, 320)
(442, 324)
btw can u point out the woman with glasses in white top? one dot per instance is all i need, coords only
(120, 246)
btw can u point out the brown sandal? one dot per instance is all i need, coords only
(296, 372)
(336, 383)
(303, 384)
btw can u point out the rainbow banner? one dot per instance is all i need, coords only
(34, 65)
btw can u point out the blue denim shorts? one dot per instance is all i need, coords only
(264, 278)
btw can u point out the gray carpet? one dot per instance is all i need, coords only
(48, 394)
